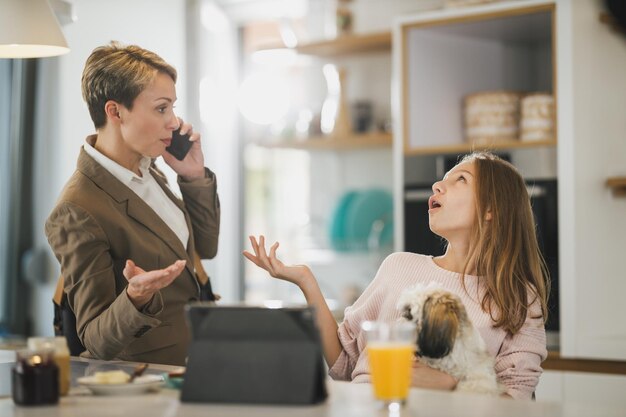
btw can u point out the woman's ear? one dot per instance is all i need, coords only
(488, 215)
(112, 110)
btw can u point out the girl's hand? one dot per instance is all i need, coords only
(296, 274)
(192, 167)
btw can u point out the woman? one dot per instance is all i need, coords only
(492, 262)
(125, 243)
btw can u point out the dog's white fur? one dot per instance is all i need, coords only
(468, 360)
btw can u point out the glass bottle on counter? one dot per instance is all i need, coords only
(61, 357)
(35, 378)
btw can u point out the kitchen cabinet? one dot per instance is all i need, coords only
(582, 388)
(585, 381)
(449, 55)
(441, 55)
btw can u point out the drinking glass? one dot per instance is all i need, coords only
(390, 351)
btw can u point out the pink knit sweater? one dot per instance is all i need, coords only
(517, 357)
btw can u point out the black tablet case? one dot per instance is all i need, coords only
(253, 355)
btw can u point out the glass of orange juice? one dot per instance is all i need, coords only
(390, 351)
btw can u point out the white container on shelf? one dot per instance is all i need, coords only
(492, 116)
(537, 117)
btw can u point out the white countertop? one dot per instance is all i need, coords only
(344, 400)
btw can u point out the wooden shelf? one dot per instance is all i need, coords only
(346, 44)
(610, 21)
(329, 143)
(470, 147)
(438, 48)
(618, 185)
(555, 362)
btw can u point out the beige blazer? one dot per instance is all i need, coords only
(97, 224)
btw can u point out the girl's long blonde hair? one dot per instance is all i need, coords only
(504, 248)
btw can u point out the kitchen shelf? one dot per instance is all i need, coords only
(469, 147)
(445, 56)
(618, 185)
(610, 21)
(330, 143)
(346, 44)
(555, 362)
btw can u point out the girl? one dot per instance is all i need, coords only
(492, 261)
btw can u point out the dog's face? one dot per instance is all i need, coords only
(438, 315)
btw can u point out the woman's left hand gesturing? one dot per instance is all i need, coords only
(192, 167)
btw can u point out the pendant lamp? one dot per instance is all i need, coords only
(30, 29)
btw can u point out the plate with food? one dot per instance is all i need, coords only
(175, 378)
(119, 383)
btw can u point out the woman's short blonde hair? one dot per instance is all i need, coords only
(120, 73)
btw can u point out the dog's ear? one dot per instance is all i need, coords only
(406, 312)
(440, 325)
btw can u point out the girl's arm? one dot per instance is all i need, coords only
(302, 276)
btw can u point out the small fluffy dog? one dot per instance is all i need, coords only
(447, 340)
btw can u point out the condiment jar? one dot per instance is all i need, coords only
(35, 378)
(61, 357)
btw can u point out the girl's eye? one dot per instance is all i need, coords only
(461, 178)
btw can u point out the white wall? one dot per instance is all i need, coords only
(592, 147)
(157, 25)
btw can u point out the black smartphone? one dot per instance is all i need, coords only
(180, 145)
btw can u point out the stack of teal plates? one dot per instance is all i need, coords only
(361, 220)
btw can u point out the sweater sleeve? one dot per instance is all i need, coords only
(367, 307)
(518, 364)
(345, 363)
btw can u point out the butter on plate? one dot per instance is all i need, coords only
(111, 377)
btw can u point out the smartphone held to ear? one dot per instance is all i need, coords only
(180, 145)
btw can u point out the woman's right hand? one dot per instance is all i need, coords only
(143, 285)
(296, 274)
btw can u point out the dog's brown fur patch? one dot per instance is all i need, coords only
(441, 322)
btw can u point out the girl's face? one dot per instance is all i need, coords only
(147, 128)
(452, 208)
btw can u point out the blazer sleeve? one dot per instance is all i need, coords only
(106, 322)
(203, 205)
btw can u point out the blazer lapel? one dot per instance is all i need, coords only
(136, 208)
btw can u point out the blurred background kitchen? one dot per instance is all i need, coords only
(255, 101)
(326, 121)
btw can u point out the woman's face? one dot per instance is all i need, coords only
(147, 128)
(452, 208)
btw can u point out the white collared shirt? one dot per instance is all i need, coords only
(147, 189)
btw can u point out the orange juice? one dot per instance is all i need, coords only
(390, 367)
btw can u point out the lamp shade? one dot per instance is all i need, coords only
(29, 29)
